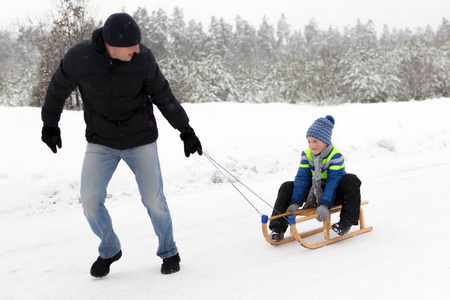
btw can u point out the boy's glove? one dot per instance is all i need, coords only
(293, 208)
(52, 137)
(191, 142)
(323, 212)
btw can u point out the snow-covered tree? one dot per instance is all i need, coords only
(18, 70)
(220, 35)
(244, 45)
(361, 35)
(443, 33)
(196, 41)
(237, 62)
(177, 31)
(368, 77)
(266, 42)
(200, 81)
(296, 47)
(283, 31)
(154, 30)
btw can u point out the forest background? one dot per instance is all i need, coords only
(241, 63)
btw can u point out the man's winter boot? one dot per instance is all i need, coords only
(277, 234)
(341, 227)
(100, 268)
(171, 264)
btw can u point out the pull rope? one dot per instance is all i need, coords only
(222, 169)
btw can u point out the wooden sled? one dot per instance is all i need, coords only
(309, 214)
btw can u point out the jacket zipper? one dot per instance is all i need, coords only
(113, 106)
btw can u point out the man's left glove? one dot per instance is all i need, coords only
(191, 142)
(52, 137)
(323, 212)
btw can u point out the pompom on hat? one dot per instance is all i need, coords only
(121, 30)
(322, 129)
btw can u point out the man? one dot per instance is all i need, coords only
(119, 81)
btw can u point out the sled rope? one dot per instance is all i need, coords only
(222, 170)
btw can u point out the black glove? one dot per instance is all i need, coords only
(52, 137)
(191, 142)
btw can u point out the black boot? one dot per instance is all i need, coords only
(341, 228)
(100, 268)
(277, 234)
(171, 264)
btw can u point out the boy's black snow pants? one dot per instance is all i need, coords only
(348, 195)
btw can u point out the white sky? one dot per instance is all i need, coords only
(337, 13)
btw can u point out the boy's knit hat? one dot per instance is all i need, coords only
(321, 129)
(121, 30)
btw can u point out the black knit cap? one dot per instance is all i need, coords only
(121, 30)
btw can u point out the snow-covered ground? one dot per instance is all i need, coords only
(400, 151)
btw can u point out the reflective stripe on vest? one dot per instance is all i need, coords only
(338, 163)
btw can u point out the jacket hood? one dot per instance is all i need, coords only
(97, 40)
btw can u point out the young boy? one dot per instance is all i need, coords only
(321, 181)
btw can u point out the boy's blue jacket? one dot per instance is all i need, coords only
(333, 169)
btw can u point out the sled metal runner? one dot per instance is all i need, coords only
(309, 214)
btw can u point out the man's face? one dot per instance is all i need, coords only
(122, 53)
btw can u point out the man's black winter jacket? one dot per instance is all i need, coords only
(117, 96)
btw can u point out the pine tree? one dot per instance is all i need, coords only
(177, 31)
(196, 41)
(266, 42)
(443, 34)
(244, 45)
(220, 36)
(283, 33)
(154, 31)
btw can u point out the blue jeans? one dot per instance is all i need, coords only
(99, 164)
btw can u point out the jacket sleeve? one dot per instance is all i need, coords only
(62, 84)
(157, 87)
(302, 182)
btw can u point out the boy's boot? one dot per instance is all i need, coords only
(277, 234)
(341, 227)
